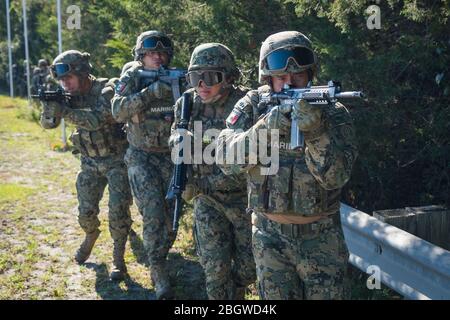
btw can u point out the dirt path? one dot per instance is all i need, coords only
(39, 233)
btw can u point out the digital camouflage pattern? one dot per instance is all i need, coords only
(148, 120)
(102, 144)
(214, 56)
(127, 66)
(149, 175)
(222, 228)
(139, 49)
(97, 134)
(284, 40)
(310, 264)
(78, 61)
(223, 242)
(306, 184)
(95, 174)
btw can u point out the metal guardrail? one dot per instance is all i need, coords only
(409, 265)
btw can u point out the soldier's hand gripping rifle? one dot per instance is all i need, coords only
(178, 182)
(172, 77)
(314, 95)
(58, 95)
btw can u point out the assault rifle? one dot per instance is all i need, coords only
(178, 182)
(172, 77)
(315, 95)
(58, 95)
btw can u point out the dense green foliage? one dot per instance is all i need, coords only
(402, 127)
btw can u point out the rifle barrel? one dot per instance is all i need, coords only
(349, 94)
(177, 211)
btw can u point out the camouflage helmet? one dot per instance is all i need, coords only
(214, 56)
(42, 63)
(71, 61)
(164, 44)
(288, 40)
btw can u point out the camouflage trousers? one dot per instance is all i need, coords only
(91, 182)
(300, 261)
(223, 240)
(149, 175)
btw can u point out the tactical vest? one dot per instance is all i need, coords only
(149, 130)
(293, 190)
(110, 139)
(207, 114)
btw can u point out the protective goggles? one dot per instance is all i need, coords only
(154, 42)
(279, 59)
(208, 77)
(60, 69)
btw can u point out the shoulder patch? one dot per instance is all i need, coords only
(234, 116)
(120, 87)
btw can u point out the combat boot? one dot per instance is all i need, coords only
(84, 251)
(119, 269)
(160, 279)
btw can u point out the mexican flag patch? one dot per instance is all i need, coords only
(120, 87)
(234, 116)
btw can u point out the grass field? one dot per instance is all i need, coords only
(39, 232)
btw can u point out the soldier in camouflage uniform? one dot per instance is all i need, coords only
(298, 241)
(102, 144)
(41, 76)
(148, 113)
(222, 228)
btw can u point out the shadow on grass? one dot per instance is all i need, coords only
(137, 246)
(127, 289)
(186, 276)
